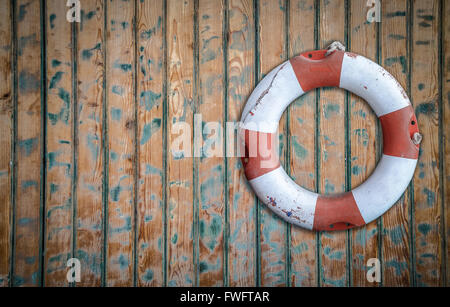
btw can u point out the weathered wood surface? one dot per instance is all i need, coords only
(90, 112)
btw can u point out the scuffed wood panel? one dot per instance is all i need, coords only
(151, 100)
(428, 252)
(273, 230)
(242, 262)
(59, 145)
(445, 135)
(90, 129)
(363, 133)
(91, 114)
(6, 134)
(302, 148)
(180, 211)
(332, 147)
(210, 165)
(396, 223)
(121, 123)
(29, 160)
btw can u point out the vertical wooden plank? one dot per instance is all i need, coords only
(121, 133)
(150, 74)
(425, 98)
(89, 125)
(445, 129)
(60, 145)
(6, 130)
(29, 168)
(363, 138)
(180, 236)
(273, 229)
(242, 208)
(211, 168)
(302, 127)
(397, 221)
(332, 142)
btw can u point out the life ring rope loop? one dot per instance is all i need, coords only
(355, 73)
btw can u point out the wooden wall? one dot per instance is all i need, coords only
(88, 113)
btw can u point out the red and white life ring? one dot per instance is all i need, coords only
(362, 77)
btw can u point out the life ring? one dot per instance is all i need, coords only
(332, 68)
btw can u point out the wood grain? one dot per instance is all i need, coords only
(302, 129)
(121, 141)
(332, 166)
(242, 264)
(59, 145)
(396, 245)
(29, 168)
(273, 230)
(445, 135)
(180, 73)
(150, 73)
(364, 143)
(211, 166)
(425, 98)
(6, 135)
(90, 152)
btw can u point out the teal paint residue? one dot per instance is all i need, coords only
(431, 197)
(401, 60)
(300, 151)
(238, 41)
(300, 248)
(86, 54)
(362, 135)
(150, 170)
(397, 36)
(92, 142)
(333, 254)
(29, 183)
(123, 262)
(399, 267)
(27, 146)
(23, 11)
(51, 158)
(25, 221)
(116, 114)
(147, 34)
(421, 86)
(118, 90)
(52, 19)
(24, 41)
(357, 170)
(174, 239)
(113, 155)
(53, 188)
(396, 14)
(396, 235)
(29, 82)
(149, 130)
(424, 228)
(55, 63)
(426, 108)
(329, 187)
(125, 228)
(125, 67)
(210, 232)
(55, 79)
(150, 99)
(330, 110)
(147, 276)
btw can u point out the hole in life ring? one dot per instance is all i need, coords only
(413, 123)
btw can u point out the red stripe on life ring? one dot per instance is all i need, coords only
(398, 130)
(261, 154)
(313, 69)
(338, 212)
